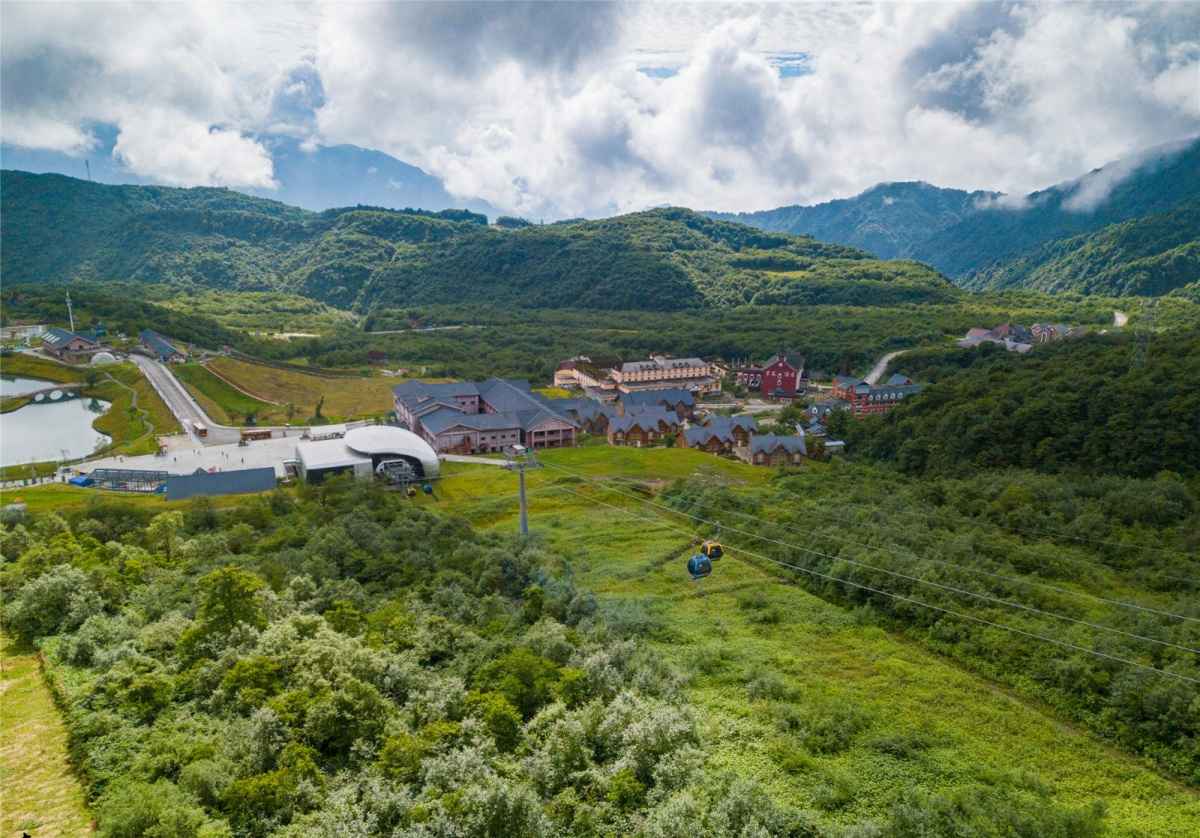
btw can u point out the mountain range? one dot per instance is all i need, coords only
(316, 177)
(61, 229)
(1130, 219)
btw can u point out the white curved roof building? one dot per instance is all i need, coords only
(103, 358)
(386, 442)
(362, 450)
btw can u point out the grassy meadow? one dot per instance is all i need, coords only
(760, 653)
(344, 398)
(40, 794)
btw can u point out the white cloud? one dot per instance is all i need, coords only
(165, 146)
(542, 108)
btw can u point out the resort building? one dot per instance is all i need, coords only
(864, 399)
(772, 450)
(781, 377)
(492, 415)
(160, 347)
(68, 347)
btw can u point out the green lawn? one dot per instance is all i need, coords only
(756, 649)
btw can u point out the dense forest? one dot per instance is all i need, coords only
(1105, 404)
(58, 229)
(1139, 237)
(1148, 256)
(336, 662)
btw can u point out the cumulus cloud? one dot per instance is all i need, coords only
(183, 85)
(567, 109)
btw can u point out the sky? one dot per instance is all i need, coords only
(555, 110)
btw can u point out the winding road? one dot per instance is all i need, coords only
(881, 366)
(183, 405)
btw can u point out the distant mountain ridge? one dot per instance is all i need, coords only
(889, 219)
(60, 229)
(985, 240)
(316, 178)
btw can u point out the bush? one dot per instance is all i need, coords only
(153, 810)
(58, 600)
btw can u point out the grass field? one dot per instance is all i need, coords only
(261, 312)
(345, 398)
(755, 648)
(223, 402)
(38, 793)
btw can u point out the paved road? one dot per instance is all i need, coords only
(881, 366)
(182, 404)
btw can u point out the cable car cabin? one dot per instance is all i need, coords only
(712, 549)
(699, 566)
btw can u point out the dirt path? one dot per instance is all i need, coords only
(38, 793)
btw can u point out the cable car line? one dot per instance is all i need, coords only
(1004, 627)
(928, 519)
(1117, 602)
(1015, 579)
(920, 581)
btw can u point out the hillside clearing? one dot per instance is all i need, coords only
(344, 398)
(38, 793)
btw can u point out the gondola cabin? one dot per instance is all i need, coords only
(699, 566)
(712, 549)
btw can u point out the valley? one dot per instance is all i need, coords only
(958, 583)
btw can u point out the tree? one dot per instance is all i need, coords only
(228, 598)
(163, 532)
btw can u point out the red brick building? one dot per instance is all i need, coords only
(865, 399)
(781, 377)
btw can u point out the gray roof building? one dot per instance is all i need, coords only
(242, 481)
(766, 443)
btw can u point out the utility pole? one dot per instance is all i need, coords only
(70, 311)
(520, 458)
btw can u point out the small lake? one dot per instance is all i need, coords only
(40, 432)
(11, 385)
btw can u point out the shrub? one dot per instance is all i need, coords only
(498, 715)
(152, 810)
(58, 600)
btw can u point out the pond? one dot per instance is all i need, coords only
(11, 385)
(39, 432)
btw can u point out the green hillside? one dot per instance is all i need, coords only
(59, 229)
(1149, 256)
(1087, 405)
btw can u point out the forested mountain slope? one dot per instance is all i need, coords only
(1100, 405)
(60, 229)
(1153, 183)
(889, 219)
(1148, 256)
(982, 240)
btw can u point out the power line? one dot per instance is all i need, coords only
(1004, 627)
(916, 579)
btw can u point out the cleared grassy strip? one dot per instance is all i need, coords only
(224, 403)
(344, 398)
(40, 795)
(31, 366)
(757, 651)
